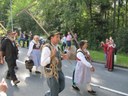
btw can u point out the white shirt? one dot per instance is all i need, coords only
(46, 56)
(82, 58)
(63, 39)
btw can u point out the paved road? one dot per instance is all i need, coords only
(105, 83)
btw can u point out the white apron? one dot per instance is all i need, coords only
(82, 72)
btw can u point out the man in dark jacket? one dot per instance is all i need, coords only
(10, 53)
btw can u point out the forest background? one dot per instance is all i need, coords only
(94, 20)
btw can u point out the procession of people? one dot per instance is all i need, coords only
(49, 57)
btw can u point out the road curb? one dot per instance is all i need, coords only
(116, 65)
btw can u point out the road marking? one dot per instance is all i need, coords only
(68, 77)
(112, 90)
(96, 85)
(20, 61)
(105, 88)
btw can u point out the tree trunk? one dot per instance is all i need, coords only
(90, 9)
(118, 20)
(114, 17)
(126, 24)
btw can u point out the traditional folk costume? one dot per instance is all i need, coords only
(110, 57)
(34, 53)
(82, 70)
(105, 46)
(52, 69)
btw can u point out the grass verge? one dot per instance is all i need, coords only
(122, 60)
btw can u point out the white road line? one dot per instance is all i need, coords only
(96, 85)
(109, 89)
(105, 88)
(20, 61)
(68, 77)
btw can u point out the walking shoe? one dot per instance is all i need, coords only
(75, 87)
(92, 92)
(30, 70)
(110, 70)
(8, 77)
(38, 72)
(47, 93)
(16, 68)
(16, 82)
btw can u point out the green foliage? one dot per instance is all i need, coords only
(93, 20)
(17, 6)
(1, 32)
(59, 15)
(4, 7)
(27, 24)
(121, 37)
(99, 56)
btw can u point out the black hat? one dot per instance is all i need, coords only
(53, 33)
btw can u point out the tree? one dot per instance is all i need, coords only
(89, 18)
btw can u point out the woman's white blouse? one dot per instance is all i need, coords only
(82, 58)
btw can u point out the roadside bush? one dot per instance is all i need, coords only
(121, 40)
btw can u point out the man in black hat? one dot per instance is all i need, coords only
(51, 61)
(10, 52)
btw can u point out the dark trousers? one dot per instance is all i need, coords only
(11, 72)
(63, 46)
(21, 39)
(73, 82)
(26, 40)
(56, 86)
(75, 44)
